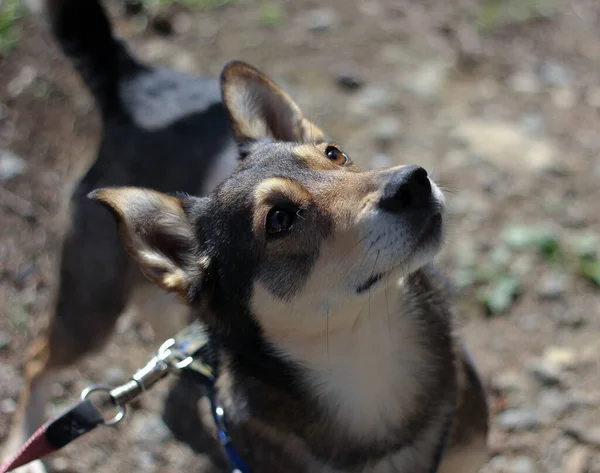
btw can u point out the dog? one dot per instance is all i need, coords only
(331, 330)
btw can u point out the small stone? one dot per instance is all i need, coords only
(60, 464)
(530, 322)
(8, 406)
(349, 80)
(376, 98)
(564, 98)
(394, 54)
(321, 19)
(506, 146)
(133, 7)
(115, 376)
(532, 123)
(185, 62)
(509, 382)
(589, 435)
(590, 354)
(23, 80)
(524, 82)
(523, 264)
(182, 23)
(429, 80)
(370, 99)
(522, 464)
(11, 165)
(545, 372)
(577, 460)
(502, 464)
(380, 161)
(552, 404)
(571, 318)
(150, 430)
(552, 285)
(582, 400)
(554, 74)
(521, 418)
(5, 340)
(521, 441)
(574, 217)
(387, 130)
(488, 89)
(563, 358)
(146, 462)
(162, 25)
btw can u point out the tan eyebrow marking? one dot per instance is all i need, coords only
(314, 157)
(275, 189)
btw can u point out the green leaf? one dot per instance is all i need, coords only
(10, 12)
(500, 294)
(532, 236)
(590, 269)
(271, 14)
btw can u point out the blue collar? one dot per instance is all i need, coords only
(236, 463)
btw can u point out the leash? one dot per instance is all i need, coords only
(185, 352)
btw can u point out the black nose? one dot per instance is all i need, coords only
(409, 188)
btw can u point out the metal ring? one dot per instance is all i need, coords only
(183, 363)
(165, 346)
(107, 389)
(169, 356)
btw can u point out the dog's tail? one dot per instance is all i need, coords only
(83, 31)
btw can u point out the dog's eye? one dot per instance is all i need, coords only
(337, 156)
(279, 220)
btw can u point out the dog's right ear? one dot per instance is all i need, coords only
(258, 108)
(157, 232)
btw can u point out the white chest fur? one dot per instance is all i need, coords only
(363, 364)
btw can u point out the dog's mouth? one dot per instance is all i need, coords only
(429, 239)
(432, 230)
(369, 283)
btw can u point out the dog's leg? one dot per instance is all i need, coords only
(467, 450)
(33, 397)
(96, 279)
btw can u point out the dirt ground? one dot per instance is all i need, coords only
(506, 116)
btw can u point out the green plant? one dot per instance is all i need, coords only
(271, 13)
(10, 12)
(493, 13)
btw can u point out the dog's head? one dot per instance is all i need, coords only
(297, 229)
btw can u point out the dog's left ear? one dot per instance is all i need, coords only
(157, 232)
(259, 108)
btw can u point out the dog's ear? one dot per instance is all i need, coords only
(258, 108)
(157, 232)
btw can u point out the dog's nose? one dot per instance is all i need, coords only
(409, 188)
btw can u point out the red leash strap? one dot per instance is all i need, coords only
(79, 420)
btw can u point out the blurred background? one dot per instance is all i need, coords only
(499, 99)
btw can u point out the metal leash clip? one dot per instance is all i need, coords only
(187, 352)
(174, 355)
